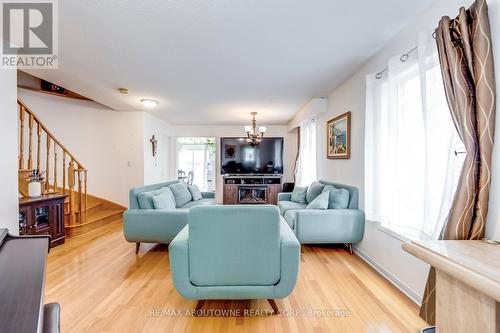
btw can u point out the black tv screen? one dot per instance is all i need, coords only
(239, 157)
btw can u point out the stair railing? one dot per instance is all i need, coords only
(55, 157)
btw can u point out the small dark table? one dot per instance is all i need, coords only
(43, 216)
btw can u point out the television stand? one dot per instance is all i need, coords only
(251, 189)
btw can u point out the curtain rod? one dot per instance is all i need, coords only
(404, 57)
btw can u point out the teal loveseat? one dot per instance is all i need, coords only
(235, 252)
(330, 226)
(144, 224)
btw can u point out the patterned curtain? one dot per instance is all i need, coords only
(465, 54)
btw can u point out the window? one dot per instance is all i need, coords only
(412, 151)
(196, 156)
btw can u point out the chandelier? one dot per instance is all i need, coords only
(254, 137)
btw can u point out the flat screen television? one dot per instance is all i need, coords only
(239, 157)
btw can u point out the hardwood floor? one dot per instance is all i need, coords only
(103, 286)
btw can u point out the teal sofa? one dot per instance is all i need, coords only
(328, 226)
(235, 252)
(147, 225)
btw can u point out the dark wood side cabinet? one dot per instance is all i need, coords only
(43, 216)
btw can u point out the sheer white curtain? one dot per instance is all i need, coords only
(306, 169)
(412, 151)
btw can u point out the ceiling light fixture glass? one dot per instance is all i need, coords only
(149, 103)
(254, 137)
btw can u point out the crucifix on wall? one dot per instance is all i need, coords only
(154, 148)
(154, 145)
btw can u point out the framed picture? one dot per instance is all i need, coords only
(230, 151)
(338, 137)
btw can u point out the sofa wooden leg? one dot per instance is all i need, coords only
(137, 247)
(273, 304)
(349, 245)
(198, 306)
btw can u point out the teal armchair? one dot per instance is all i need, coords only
(325, 226)
(235, 252)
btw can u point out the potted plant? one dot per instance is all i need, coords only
(35, 180)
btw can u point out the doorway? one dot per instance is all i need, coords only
(196, 161)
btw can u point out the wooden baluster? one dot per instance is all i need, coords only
(55, 167)
(30, 145)
(39, 146)
(71, 185)
(47, 165)
(21, 138)
(80, 203)
(85, 189)
(64, 173)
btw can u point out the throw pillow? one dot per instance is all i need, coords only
(195, 192)
(339, 197)
(314, 190)
(146, 198)
(165, 200)
(320, 202)
(299, 194)
(181, 194)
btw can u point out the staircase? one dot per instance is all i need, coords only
(40, 150)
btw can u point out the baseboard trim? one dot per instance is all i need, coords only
(416, 298)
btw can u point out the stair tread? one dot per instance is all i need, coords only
(90, 205)
(102, 214)
(89, 200)
(97, 216)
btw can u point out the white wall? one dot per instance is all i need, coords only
(493, 223)
(9, 193)
(289, 149)
(108, 143)
(312, 108)
(379, 248)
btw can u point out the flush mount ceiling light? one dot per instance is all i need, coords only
(254, 137)
(149, 103)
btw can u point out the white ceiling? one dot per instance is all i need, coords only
(213, 62)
